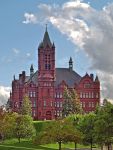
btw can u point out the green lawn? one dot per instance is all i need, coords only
(28, 145)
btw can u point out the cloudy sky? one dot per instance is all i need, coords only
(81, 29)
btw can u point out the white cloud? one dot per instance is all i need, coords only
(4, 94)
(30, 18)
(89, 29)
(28, 55)
(16, 51)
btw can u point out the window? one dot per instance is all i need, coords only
(89, 94)
(57, 95)
(60, 95)
(83, 104)
(92, 95)
(61, 104)
(86, 95)
(97, 95)
(30, 94)
(92, 104)
(44, 103)
(80, 94)
(34, 103)
(34, 94)
(51, 103)
(49, 66)
(55, 112)
(57, 104)
(46, 66)
(87, 85)
(34, 113)
(58, 113)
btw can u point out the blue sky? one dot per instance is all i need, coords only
(19, 39)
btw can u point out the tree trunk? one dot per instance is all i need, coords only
(109, 147)
(59, 145)
(101, 147)
(75, 146)
(91, 145)
(19, 139)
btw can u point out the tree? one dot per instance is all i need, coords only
(71, 104)
(73, 135)
(60, 131)
(56, 131)
(104, 124)
(26, 106)
(86, 126)
(7, 124)
(24, 127)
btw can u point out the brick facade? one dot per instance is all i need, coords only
(45, 87)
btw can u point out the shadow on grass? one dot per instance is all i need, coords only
(26, 144)
(45, 148)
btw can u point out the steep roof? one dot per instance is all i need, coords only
(46, 40)
(69, 76)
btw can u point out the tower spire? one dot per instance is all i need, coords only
(70, 64)
(31, 70)
(46, 27)
(46, 39)
(14, 77)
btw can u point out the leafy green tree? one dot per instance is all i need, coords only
(104, 125)
(7, 124)
(26, 106)
(73, 135)
(86, 126)
(24, 127)
(60, 131)
(71, 104)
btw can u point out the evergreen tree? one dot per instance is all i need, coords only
(71, 104)
(26, 106)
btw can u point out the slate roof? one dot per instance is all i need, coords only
(69, 76)
(46, 40)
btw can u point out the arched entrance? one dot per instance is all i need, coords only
(48, 115)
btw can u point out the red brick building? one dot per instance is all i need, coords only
(45, 87)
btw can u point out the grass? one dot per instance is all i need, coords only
(13, 144)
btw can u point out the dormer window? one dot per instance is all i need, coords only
(87, 85)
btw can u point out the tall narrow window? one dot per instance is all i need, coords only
(44, 103)
(97, 95)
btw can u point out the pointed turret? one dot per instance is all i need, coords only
(14, 77)
(31, 70)
(96, 79)
(46, 39)
(53, 45)
(71, 64)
